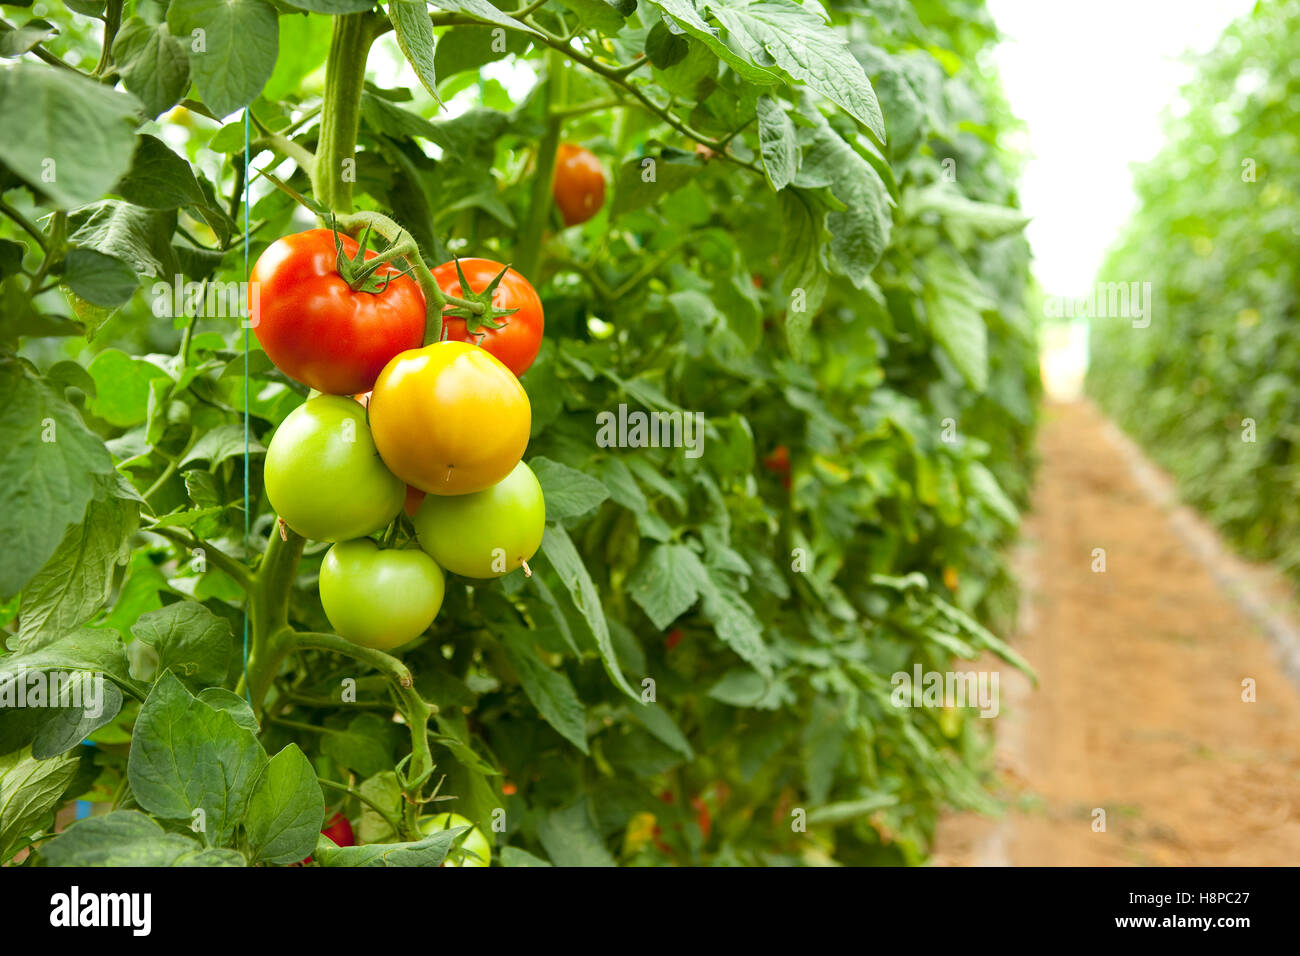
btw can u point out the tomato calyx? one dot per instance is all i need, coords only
(490, 316)
(362, 274)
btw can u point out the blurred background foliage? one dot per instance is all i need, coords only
(1212, 387)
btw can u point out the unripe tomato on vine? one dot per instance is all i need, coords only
(379, 598)
(486, 534)
(579, 183)
(323, 320)
(323, 476)
(513, 338)
(449, 418)
(478, 852)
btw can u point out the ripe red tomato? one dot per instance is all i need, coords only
(516, 342)
(319, 331)
(674, 638)
(579, 183)
(340, 831)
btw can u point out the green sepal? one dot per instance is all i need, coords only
(473, 320)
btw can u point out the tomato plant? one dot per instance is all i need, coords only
(515, 337)
(1197, 298)
(825, 259)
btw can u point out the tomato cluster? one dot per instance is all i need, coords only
(427, 439)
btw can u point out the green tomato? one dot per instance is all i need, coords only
(474, 841)
(487, 533)
(324, 476)
(379, 599)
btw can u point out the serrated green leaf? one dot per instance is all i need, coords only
(77, 135)
(286, 810)
(152, 64)
(568, 492)
(78, 578)
(231, 45)
(667, 583)
(414, 32)
(778, 143)
(191, 642)
(806, 48)
(549, 690)
(129, 838)
(187, 756)
(563, 557)
(954, 301)
(47, 474)
(571, 839)
(29, 791)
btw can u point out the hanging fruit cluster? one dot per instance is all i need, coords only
(415, 431)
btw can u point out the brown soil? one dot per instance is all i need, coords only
(1139, 706)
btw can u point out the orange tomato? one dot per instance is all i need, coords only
(449, 418)
(579, 183)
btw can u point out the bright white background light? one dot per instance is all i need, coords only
(1093, 82)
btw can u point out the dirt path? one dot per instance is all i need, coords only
(1139, 707)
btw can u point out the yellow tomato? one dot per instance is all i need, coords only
(449, 418)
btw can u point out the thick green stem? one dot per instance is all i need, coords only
(528, 251)
(271, 638)
(112, 22)
(345, 73)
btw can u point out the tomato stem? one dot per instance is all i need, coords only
(268, 611)
(345, 74)
(402, 244)
(528, 251)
